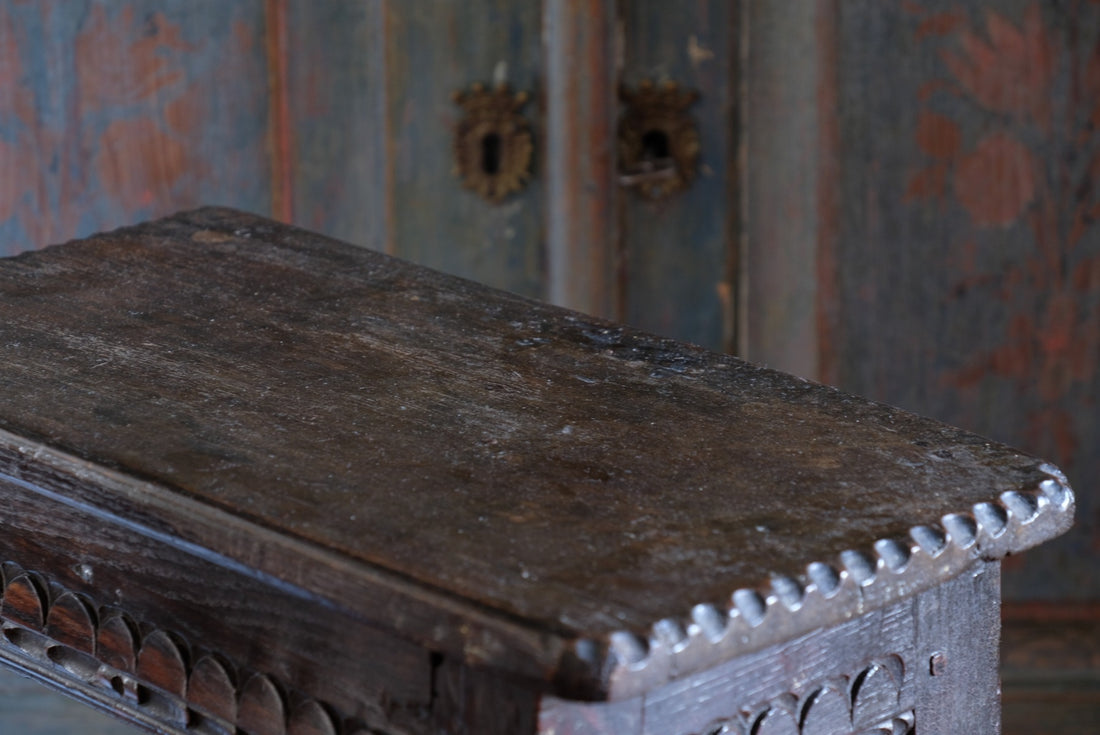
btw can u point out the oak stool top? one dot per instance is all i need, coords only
(441, 471)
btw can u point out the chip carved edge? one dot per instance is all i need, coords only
(827, 593)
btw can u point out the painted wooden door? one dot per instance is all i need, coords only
(373, 124)
(340, 116)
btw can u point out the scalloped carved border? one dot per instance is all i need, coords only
(858, 580)
(145, 674)
(866, 703)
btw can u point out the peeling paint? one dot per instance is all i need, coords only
(697, 52)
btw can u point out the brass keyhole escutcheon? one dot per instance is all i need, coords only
(493, 143)
(658, 140)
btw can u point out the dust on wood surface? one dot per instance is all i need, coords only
(566, 471)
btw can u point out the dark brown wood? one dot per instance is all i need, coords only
(190, 605)
(278, 477)
(470, 701)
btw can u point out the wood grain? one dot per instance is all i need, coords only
(869, 674)
(785, 180)
(921, 223)
(341, 159)
(381, 434)
(181, 600)
(1050, 667)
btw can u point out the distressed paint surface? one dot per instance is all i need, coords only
(432, 50)
(677, 251)
(968, 263)
(781, 175)
(581, 221)
(111, 112)
(336, 80)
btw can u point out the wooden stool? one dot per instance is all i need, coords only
(258, 480)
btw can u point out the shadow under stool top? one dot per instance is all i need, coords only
(254, 479)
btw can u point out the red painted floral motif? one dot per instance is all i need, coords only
(996, 181)
(1011, 69)
(1028, 165)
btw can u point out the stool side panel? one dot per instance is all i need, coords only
(926, 664)
(959, 629)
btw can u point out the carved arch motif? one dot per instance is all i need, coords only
(863, 703)
(153, 676)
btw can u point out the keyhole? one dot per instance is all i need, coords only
(490, 153)
(655, 145)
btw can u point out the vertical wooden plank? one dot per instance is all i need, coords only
(581, 199)
(679, 250)
(336, 85)
(954, 234)
(114, 112)
(433, 50)
(1048, 675)
(783, 180)
(829, 170)
(958, 687)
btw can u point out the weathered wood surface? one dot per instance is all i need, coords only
(512, 477)
(339, 117)
(927, 662)
(202, 603)
(168, 108)
(113, 112)
(335, 81)
(785, 213)
(584, 258)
